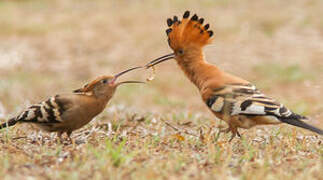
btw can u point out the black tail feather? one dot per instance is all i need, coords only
(302, 124)
(9, 123)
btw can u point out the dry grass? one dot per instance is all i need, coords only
(162, 130)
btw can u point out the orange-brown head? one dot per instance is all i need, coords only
(186, 37)
(105, 86)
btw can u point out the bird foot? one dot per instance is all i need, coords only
(225, 130)
(234, 131)
(239, 135)
(63, 140)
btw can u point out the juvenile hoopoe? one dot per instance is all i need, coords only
(67, 112)
(230, 98)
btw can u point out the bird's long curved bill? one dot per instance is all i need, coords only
(124, 72)
(159, 60)
(126, 82)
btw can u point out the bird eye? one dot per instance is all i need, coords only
(104, 81)
(180, 52)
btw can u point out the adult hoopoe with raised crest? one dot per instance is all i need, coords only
(68, 112)
(230, 98)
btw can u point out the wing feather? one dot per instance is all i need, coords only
(246, 99)
(49, 111)
(239, 99)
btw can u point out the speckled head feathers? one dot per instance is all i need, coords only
(90, 86)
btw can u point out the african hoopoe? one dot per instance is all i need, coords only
(68, 112)
(230, 98)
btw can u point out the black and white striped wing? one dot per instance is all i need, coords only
(246, 100)
(49, 111)
(240, 99)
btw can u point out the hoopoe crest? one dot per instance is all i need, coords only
(188, 32)
(186, 37)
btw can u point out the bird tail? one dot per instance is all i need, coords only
(301, 124)
(188, 32)
(9, 123)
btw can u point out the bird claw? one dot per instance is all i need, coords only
(239, 135)
(226, 130)
(62, 140)
(232, 136)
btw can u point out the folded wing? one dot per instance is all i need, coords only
(246, 100)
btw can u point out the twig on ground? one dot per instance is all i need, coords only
(185, 131)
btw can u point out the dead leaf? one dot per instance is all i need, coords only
(179, 137)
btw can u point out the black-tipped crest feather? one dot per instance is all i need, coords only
(168, 31)
(169, 22)
(194, 18)
(186, 14)
(175, 19)
(206, 27)
(201, 21)
(210, 33)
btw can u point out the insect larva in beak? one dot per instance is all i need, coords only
(152, 75)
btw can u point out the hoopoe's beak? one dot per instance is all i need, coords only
(115, 77)
(159, 60)
(125, 82)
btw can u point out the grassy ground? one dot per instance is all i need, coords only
(160, 130)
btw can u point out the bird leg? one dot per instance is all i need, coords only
(224, 130)
(68, 133)
(59, 135)
(234, 131)
(61, 138)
